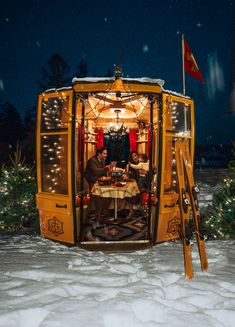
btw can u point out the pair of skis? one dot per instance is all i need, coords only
(188, 202)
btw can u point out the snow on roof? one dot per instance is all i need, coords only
(146, 80)
(143, 80)
(92, 79)
(177, 93)
(61, 89)
(112, 79)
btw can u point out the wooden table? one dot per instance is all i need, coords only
(129, 190)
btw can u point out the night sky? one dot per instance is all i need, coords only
(144, 35)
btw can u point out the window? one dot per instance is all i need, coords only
(54, 114)
(179, 118)
(54, 164)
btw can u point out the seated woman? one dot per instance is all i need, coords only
(133, 159)
(133, 174)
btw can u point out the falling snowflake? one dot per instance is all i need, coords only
(145, 48)
(7, 19)
(1, 85)
(199, 24)
(38, 44)
(178, 32)
(215, 77)
(105, 19)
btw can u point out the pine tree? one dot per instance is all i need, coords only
(109, 73)
(55, 74)
(220, 216)
(232, 155)
(11, 130)
(10, 124)
(28, 142)
(17, 194)
(82, 69)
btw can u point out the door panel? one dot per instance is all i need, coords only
(56, 226)
(54, 149)
(57, 204)
(177, 122)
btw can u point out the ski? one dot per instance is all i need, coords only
(193, 194)
(186, 230)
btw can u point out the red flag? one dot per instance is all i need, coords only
(190, 65)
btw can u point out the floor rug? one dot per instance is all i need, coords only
(127, 228)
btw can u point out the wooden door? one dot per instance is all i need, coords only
(54, 166)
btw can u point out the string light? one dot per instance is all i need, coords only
(17, 195)
(220, 220)
(54, 116)
(52, 111)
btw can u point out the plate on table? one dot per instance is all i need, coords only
(119, 184)
(105, 180)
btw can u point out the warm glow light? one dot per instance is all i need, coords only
(121, 110)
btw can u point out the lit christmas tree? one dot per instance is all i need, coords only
(17, 194)
(220, 216)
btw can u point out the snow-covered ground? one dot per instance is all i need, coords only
(45, 284)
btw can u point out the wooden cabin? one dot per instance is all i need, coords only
(123, 115)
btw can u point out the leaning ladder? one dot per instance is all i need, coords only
(191, 222)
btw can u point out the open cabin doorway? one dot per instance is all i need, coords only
(122, 123)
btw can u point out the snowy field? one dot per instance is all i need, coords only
(45, 284)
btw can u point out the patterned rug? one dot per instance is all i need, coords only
(126, 228)
(113, 233)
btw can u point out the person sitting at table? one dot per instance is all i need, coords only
(133, 174)
(133, 159)
(143, 168)
(95, 169)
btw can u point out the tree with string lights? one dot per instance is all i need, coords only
(17, 194)
(220, 216)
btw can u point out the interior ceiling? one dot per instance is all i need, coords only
(104, 105)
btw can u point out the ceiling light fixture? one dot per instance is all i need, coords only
(119, 129)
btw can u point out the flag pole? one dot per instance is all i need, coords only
(183, 70)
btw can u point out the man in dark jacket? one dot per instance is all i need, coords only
(96, 168)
